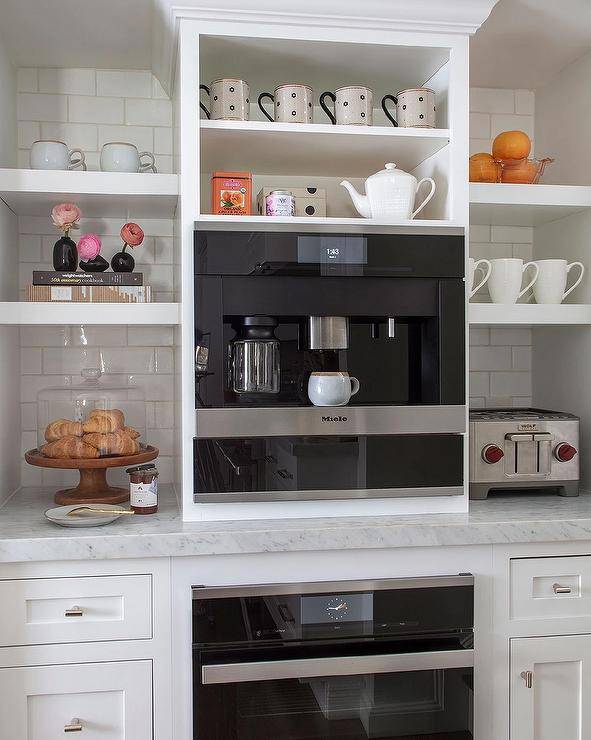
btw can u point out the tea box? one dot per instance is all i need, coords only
(308, 201)
(231, 193)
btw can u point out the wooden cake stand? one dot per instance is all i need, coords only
(93, 486)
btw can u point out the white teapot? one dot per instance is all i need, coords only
(390, 194)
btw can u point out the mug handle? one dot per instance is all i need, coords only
(355, 385)
(574, 285)
(485, 271)
(203, 108)
(80, 162)
(394, 99)
(151, 165)
(428, 198)
(272, 99)
(535, 277)
(324, 107)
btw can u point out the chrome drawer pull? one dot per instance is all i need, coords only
(528, 677)
(74, 726)
(558, 589)
(75, 611)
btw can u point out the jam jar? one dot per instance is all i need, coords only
(143, 488)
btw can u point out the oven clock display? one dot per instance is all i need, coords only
(337, 608)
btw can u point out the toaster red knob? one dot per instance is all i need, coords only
(491, 454)
(564, 452)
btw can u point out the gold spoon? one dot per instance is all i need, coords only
(80, 509)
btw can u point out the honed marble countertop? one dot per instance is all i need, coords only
(25, 534)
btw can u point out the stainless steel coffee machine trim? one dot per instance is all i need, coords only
(328, 332)
(329, 420)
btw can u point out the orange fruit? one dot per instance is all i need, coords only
(483, 168)
(511, 145)
(236, 199)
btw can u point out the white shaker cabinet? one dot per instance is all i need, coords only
(551, 688)
(100, 701)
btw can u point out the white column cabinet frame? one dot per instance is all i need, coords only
(268, 25)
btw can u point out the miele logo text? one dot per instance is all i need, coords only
(527, 427)
(334, 418)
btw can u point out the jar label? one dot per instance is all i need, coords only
(144, 494)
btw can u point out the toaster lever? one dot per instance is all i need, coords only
(519, 437)
(543, 437)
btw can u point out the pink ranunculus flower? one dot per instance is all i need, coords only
(89, 247)
(66, 216)
(132, 235)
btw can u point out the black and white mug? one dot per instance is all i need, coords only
(415, 108)
(291, 104)
(230, 99)
(353, 105)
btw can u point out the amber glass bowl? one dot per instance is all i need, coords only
(523, 172)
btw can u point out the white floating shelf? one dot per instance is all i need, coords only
(318, 223)
(531, 314)
(33, 313)
(315, 148)
(525, 205)
(98, 194)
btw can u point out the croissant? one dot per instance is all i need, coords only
(104, 422)
(69, 447)
(116, 443)
(63, 428)
(131, 432)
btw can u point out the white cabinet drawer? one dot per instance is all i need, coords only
(93, 701)
(547, 588)
(42, 611)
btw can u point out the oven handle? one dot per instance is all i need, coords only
(351, 665)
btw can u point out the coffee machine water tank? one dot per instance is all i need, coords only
(254, 355)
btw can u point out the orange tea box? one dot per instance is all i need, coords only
(231, 193)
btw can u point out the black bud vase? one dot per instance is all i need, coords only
(122, 262)
(65, 256)
(98, 264)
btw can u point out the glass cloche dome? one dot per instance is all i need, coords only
(96, 418)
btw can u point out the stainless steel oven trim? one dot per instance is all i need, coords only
(327, 587)
(206, 497)
(351, 665)
(329, 420)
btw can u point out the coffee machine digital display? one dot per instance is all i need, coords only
(374, 323)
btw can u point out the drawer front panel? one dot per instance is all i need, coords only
(43, 611)
(94, 701)
(551, 588)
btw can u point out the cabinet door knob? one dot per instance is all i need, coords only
(74, 726)
(558, 589)
(528, 677)
(75, 611)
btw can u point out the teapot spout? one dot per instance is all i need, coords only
(361, 202)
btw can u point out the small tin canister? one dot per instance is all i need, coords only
(143, 489)
(280, 203)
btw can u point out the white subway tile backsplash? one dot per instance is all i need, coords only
(164, 360)
(479, 383)
(27, 79)
(149, 336)
(29, 246)
(148, 112)
(87, 109)
(163, 415)
(39, 107)
(141, 136)
(31, 361)
(128, 83)
(477, 402)
(513, 234)
(127, 360)
(521, 358)
(45, 336)
(157, 89)
(163, 141)
(23, 159)
(69, 360)
(479, 336)
(29, 417)
(163, 250)
(32, 384)
(491, 100)
(490, 358)
(67, 81)
(98, 336)
(500, 123)
(75, 135)
(480, 145)
(510, 384)
(490, 251)
(164, 164)
(163, 439)
(523, 251)
(479, 125)
(525, 102)
(156, 387)
(28, 132)
(509, 337)
(479, 233)
(522, 402)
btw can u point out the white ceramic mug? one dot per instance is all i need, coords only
(415, 108)
(474, 265)
(230, 99)
(550, 287)
(506, 276)
(291, 104)
(353, 105)
(55, 155)
(331, 389)
(118, 156)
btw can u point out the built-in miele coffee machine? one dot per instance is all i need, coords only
(328, 365)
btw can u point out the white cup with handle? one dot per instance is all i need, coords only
(120, 156)
(484, 267)
(506, 277)
(55, 155)
(331, 388)
(550, 287)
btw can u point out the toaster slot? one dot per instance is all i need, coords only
(528, 454)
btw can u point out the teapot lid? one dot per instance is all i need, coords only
(391, 171)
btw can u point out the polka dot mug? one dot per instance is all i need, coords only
(415, 108)
(230, 100)
(291, 104)
(353, 106)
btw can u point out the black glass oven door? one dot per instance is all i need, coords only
(415, 696)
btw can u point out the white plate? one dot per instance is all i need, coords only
(58, 515)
